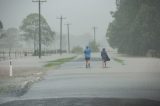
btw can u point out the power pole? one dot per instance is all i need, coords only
(34, 37)
(68, 37)
(61, 20)
(94, 29)
(39, 7)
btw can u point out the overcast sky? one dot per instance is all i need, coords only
(82, 14)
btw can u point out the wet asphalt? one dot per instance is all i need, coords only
(74, 85)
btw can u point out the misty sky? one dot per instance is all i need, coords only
(82, 14)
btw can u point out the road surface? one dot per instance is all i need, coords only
(138, 78)
(73, 80)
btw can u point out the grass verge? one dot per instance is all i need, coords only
(58, 62)
(15, 86)
(119, 61)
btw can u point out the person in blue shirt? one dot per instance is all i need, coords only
(87, 53)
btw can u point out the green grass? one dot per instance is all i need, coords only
(119, 61)
(58, 62)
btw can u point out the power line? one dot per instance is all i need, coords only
(61, 20)
(39, 7)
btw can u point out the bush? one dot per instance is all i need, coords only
(94, 46)
(77, 50)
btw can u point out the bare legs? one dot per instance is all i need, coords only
(104, 64)
(87, 64)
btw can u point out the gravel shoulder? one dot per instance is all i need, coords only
(26, 71)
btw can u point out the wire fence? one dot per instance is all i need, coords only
(14, 54)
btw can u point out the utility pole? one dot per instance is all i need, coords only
(39, 7)
(34, 38)
(61, 20)
(68, 37)
(94, 28)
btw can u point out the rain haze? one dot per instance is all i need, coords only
(82, 14)
(79, 53)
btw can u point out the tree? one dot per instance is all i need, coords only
(94, 46)
(1, 25)
(77, 50)
(2, 34)
(11, 40)
(135, 28)
(30, 27)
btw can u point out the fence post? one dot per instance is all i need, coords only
(15, 55)
(3, 55)
(9, 54)
(10, 68)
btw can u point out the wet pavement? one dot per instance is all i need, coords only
(73, 80)
(84, 102)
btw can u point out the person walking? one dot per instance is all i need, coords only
(105, 57)
(87, 53)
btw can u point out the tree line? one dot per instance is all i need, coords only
(135, 29)
(27, 34)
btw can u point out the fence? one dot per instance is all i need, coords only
(14, 54)
(5, 55)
